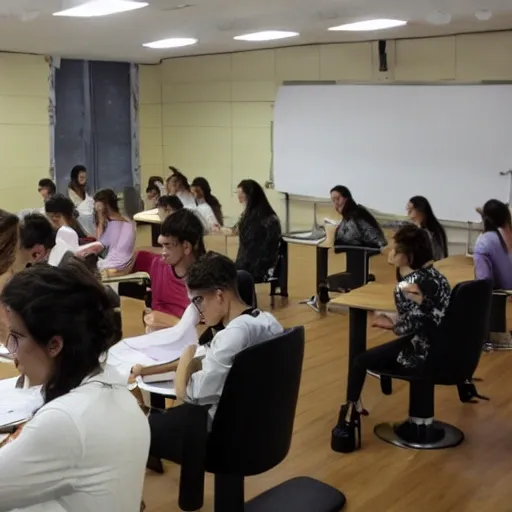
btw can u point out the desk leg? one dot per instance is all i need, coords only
(284, 272)
(357, 336)
(322, 259)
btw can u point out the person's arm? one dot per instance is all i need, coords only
(144, 371)
(187, 366)
(39, 465)
(483, 266)
(92, 248)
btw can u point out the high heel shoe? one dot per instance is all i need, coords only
(468, 393)
(343, 435)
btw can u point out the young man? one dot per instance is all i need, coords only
(181, 238)
(37, 240)
(212, 283)
(46, 188)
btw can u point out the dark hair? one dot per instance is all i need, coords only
(496, 215)
(108, 197)
(180, 177)
(430, 222)
(186, 227)
(213, 271)
(210, 199)
(48, 183)
(155, 179)
(80, 190)
(8, 240)
(60, 204)
(353, 210)
(36, 229)
(415, 244)
(153, 188)
(172, 202)
(68, 302)
(257, 206)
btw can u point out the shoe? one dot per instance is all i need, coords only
(343, 435)
(468, 393)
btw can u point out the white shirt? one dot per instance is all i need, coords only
(187, 198)
(206, 216)
(205, 386)
(83, 452)
(66, 240)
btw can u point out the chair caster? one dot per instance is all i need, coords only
(371, 278)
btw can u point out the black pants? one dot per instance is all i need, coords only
(378, 359)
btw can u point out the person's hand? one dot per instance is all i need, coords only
(382, 322)
(412, 292)
(137, 370)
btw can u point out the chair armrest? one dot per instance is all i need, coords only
(506, 293)
(128, 278)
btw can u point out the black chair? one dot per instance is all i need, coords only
(279, 279)
(453, 358)
(498, 322)
(251, 434)
(133, 203)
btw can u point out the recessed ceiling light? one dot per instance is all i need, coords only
(101, 8)
(370, 25)
(174, 42)
(266, 35)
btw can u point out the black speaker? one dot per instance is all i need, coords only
(383, 57)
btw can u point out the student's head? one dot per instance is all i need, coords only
(177, 182)
(341, 199)
(412, 248)
(167, 205)
(9, 233)
(37, 238)
(60, 324)
(181, 238)
(152, 193)
(60, 210)
(154, 180)
(46, 188)
(495, 215)
(106, 202)
(202, 192)
(253, 196)
(212, 284)
(78, 181)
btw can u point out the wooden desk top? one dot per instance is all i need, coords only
(149, 217)
(379, 296)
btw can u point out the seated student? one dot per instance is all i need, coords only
(46, 188)
(167, 205)
(152, 196)
(422, 297)
(76, 452)
(77, 187)
(212, 283)
(208, 206)
(177, 185)
(181, 238)
(61, 212)
(420, 213)
(116, 235)
(158, 182)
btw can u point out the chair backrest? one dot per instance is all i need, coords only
(133, 203)
(253, 425)
(456, 350)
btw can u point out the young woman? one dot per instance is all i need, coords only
(358, 226)
(76, 452)
(259, 231)
(177, 184)
(420, 213)
(208, 206)
(212, 283)
(115, 233)
(61, 212)
(77, 188)
(167, 205)
(152, 196)
(157, 181)
(421, 297)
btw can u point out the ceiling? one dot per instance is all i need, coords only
(28, 26)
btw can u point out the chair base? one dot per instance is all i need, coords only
(301, 494)
(435, 436)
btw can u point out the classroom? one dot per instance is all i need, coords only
(255, 256)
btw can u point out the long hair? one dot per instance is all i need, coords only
(430, 222)
(9, 234)
(180, 178)
(414, 243)
(109, 198)
(257, 206)
(66, 302)
(210, 199)
(79, 190)
(353, 210)
(496, 215)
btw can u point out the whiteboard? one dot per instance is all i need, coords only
(387, 143)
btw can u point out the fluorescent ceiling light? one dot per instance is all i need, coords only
(101, 8)
(370, 25)
(173, 42)
(266, 35)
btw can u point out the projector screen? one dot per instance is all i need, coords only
(387, 143)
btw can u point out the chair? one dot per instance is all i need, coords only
(498, 322)
(251, 434)
(452, 360)
(133, 203)
(279, 279)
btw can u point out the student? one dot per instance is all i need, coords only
(182, 243)
(212, 283)
(259, 231)
(115, 233)
(46, 188)
(208, 206)
(157, 181)
(86, 447)
(167, 205)
(61, 212)
(422, 297)
(358, 226)
(152, 195)
(77, 188)
(420, 213)
(177, 184)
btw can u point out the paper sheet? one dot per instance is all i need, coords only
(18, 405)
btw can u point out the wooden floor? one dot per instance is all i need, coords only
(474, 477)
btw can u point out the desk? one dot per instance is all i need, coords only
(152, 218)
(379, 297)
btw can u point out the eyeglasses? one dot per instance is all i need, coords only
(198, 303)
(12, 342)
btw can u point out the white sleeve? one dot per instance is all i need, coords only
(39, 465)
(206, 385)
